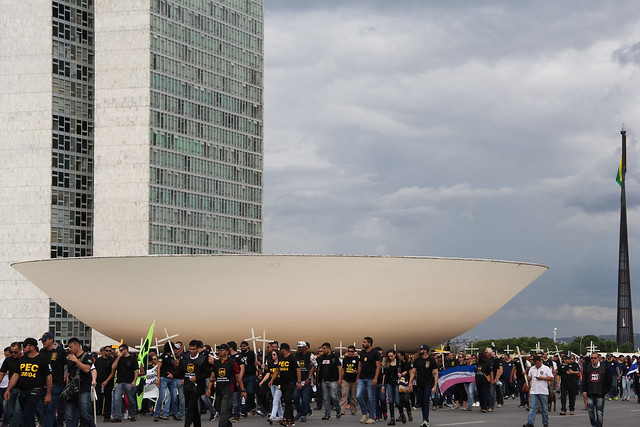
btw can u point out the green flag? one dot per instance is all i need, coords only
(142, 360)
(619, 176)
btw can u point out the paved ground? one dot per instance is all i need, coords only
(616, 413)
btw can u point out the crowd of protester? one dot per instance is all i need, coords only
(55, 385)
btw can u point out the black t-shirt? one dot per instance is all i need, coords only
(564, 376)
(195, 367)
(248, 359)
(57, 360)
(272, 369)
(103, 368)
(126, 369)
(9, 366)
(424, 371)
(390, 373)
(450, 363)
(304, 362)
(368, 364)
(225, 373)
(85, 377)
(178, 373)
(328, 367)
(287, 366)
(350, 366)
(33, 372)
(167, 365)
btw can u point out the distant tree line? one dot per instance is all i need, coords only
(579, 345)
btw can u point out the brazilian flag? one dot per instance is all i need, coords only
(143, 356)
(620, 175)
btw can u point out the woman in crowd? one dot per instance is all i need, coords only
(276, 393)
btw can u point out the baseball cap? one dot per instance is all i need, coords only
(424, 347)
(302, 343)
(223, 347)
(46, 336)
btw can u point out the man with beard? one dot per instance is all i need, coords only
(597, 379)
(126, 370)
(13, 414)
(195, 368)
(224, 377)
(302, 397)
(569, 373)
(367, 379)
(248, 360)
(34, 380)
(57, 360)
(425, 372)
(349, 373)
(104, 389)
(79, 366)
(329, 376)
(288, 373)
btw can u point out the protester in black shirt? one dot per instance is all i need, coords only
(13, 413)
(224, 377)
(79, 366)
(349, 374)
(405, 371)
(57, 360)
(597, 382)
(195, 367)
(248, 360)
(126, 370)
(425, 372)
(273, 383)
(104, 388)
(302, 397)
(569, 374)
(167, 385)
(288, 374)
(329, 368)
(368, 372)
(34, 380)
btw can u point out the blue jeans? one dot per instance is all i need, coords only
(302, 399)
(171, 407)
(596, 410)
(181, 402)
(534, 401)
(470, 388)
(49, 416)
(80, 409)
(391, 390)
(614, 387)
(276, 408)
(250, 386)
(423, 395)
(330, 396)
(13, 416)
(366, 384)
(119, 390)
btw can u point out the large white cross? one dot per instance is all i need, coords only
(592, 348)
(508, 350)
(471, 348)
(341, 347)
(253, 338)
(538, 349)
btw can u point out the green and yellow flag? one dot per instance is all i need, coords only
(619, 176)
(142, 360)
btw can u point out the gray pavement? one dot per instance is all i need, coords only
(616, 413)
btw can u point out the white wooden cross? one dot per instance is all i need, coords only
(592, 348)
(471, 348)
(167, 338)
(341, 347)
(508, 350)
(538, 349)
(253, 338)
(264, 342)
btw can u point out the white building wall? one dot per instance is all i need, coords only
(122, 44)
(25, 162)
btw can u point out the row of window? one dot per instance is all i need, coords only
(72, 33)
(202, 67)
(72, 107)
(204, 221)
(72, 199)
(72, 52)
(65, 217)
(184, 126)
(248, 14)
(74, 181)
(206, 203)
(73, 125)
(71, 162)
(201, 240)
(71, 14)
(73, 89)
(206, 42)
(188, 81)
(71, 236)
(65, 68)
(202, 185)
(203, 148)
(64, 251)
(173, 249)
(213, 155)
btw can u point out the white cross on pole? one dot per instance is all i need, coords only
(508, 350)
(471, 348)
(592, 348)
(341, 347)
(538, 349)
(167, 338)
(253, 338)
(264, 341)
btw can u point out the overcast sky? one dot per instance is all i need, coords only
(484, 129)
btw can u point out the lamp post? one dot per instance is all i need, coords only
(581, 345)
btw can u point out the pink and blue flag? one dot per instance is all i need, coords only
(456, 375)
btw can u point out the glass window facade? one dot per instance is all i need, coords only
(72, 146)
(206, 126)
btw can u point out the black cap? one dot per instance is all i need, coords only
(222, 347)
(424, 347)
(46, 336)
(30, 341)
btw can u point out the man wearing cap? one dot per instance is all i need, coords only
(34, 380)
(225, 374)
(289, 376)
(126, 370)
(569, 373)
(79, 366)
(302, 396)
(234, 356)
(615, 371)
(248, 360)
(348, 375)
(539, 376)
(425, 372)
(57, 359)
(367, 379)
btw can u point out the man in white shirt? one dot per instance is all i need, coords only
(539, 377)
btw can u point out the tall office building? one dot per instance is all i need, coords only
(128, 128)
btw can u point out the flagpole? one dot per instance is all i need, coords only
(624, 327)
